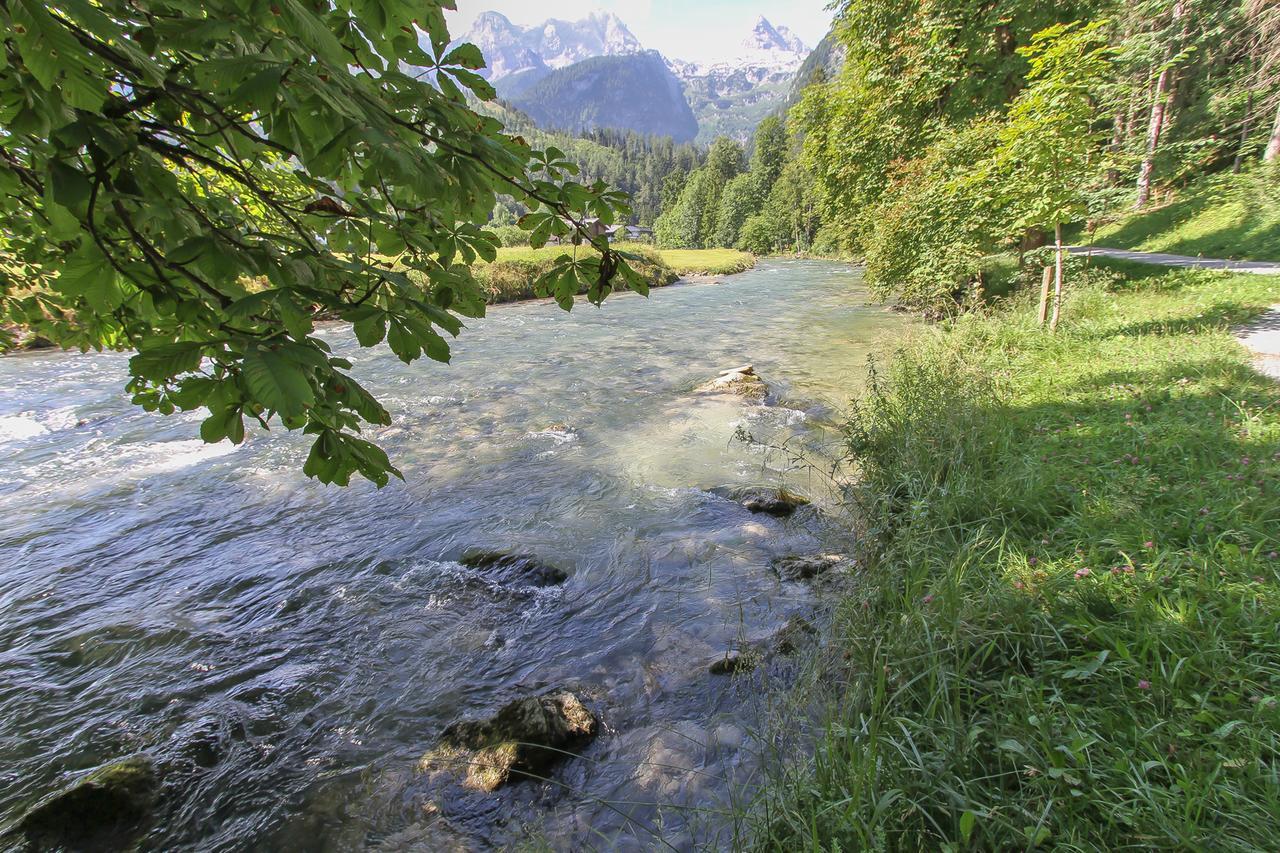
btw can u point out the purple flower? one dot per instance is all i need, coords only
(1031, 561)
(1083, 573)
(1143, 684)
(1148, 544)
(928, 599)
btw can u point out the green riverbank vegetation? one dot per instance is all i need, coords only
(515, 271)
(950, 137)
(1065, 633)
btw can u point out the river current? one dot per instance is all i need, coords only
(286, 651)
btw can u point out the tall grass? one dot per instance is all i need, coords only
(1067, 631)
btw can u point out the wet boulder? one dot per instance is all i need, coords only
(106, 809)
(794, 636)
(502, 567)
(739, 382)
(776, 502)
(731, 663)
(807, 567)
(523, 740)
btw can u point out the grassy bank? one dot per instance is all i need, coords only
(708, 261)
(512, 275)
(1223, 216)
(1067, 632)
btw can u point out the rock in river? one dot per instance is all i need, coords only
(740, 381)
(106, 809)
(523, 740)
(792, 637)
(734, 662)
(502, 567)
(806, 567)
(776, 502)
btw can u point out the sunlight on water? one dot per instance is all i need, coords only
(287, 652)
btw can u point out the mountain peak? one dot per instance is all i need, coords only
(768, 38)
(513, 49)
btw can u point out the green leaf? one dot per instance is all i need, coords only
(165, 361)
(277, 382)
(467, 55)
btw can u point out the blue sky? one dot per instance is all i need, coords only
(682, 29)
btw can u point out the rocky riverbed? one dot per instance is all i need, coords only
(290, 663)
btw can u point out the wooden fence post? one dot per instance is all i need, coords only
(1044, 296)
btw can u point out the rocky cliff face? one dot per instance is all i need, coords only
(731, 97)
(511, 49)
(551, 72)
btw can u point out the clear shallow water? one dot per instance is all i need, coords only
(286, 651)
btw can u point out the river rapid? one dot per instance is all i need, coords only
(286, 652)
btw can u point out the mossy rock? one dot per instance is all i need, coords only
(792, 637)
(757, 499)
(731, 663)
(523, 740)
(502, 567)
(106, 809)
(807, 567)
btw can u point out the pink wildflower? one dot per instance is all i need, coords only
(928, 599)
(1148, 544)
(1019, 585)
(1143, 684)
(1083, 573)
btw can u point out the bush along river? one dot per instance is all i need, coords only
(201, 649)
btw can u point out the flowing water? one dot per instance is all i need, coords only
(287, 652)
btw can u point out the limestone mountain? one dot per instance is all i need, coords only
(731, 97)
(512, 49)
(629, 92)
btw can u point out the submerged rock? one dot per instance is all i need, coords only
(523, 740)
(734, 662)
(793, 636)
(775, 502)
(740, 382)
(106, 809)
(502, 567)
(803, 568)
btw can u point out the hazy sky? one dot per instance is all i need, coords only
(682, 29)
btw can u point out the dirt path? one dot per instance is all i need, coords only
(1165, 260)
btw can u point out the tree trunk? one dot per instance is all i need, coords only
(1245, 127)
(1117, 145)
(1273, 147)
(1159, 106)
(1057, 279)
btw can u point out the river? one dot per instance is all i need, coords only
(287, 651)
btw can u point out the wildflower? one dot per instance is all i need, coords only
(1128, 570)
(1148, 544)
(1117, 571)
(928, 599)
(1143, 684)
(1019, 585)
(1244, 460)
(1031, 561)
(1083, 573)
(1273, 555)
